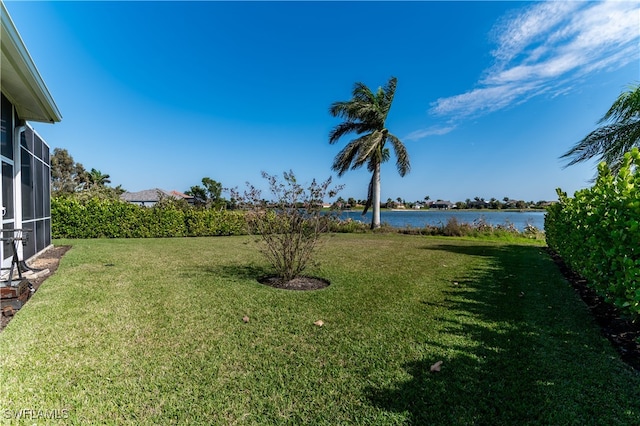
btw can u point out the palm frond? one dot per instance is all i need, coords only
(626, 107)
(590, 146)
(366, 114)
(348, 110)
(362, 93)
(626, 137)
(338, 109)
(389, 93)
(369, 201)
(371, 148)
(345, 158)
(402, 156)
(609, 143)
(385, 155)
(343, 129)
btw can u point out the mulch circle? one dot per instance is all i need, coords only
(298, 283)
(623, 333)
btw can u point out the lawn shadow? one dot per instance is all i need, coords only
(503, 362)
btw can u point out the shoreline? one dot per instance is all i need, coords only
(384, 209)
(399, 218)
(465, 210)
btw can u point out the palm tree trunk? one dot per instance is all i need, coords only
(375, 217)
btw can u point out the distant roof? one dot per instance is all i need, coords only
(152, 195)
(148, 195)
(179, 194)
(20, 80)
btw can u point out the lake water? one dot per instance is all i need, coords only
(420, 218)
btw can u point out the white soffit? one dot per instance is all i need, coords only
(20, 80)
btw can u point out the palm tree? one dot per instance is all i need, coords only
(618, 133)
(365, 115)
(97, 178)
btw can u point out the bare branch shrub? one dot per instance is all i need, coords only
(290, 225)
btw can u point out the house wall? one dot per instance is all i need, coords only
(25, 187)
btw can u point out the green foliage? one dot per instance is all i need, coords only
(67, 176)
(209, 195)
(348, 226)
(100, 192)
(597, 232)
(109, 218)
(95, 178)
(70, 179)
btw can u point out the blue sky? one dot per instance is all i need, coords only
(490, 94)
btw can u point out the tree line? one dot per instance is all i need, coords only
(475, 203)
(70, 179)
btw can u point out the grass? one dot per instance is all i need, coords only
(151, 332)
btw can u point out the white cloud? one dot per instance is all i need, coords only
(547, 46)
(483, 100)
(431, 131)
(515, 34)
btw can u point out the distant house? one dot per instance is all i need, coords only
(149, 197)
(188, 198)
(443, 205)
(395, 205)
(26, 170)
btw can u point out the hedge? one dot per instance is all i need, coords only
(96, 218)
(597, 233)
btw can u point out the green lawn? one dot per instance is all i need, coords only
(151, 332)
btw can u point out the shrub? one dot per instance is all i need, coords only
(290, 226)
(454, 228)
(108, 218)
(597, 233)
(349, 226)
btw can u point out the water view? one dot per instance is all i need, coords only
(421, 218)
